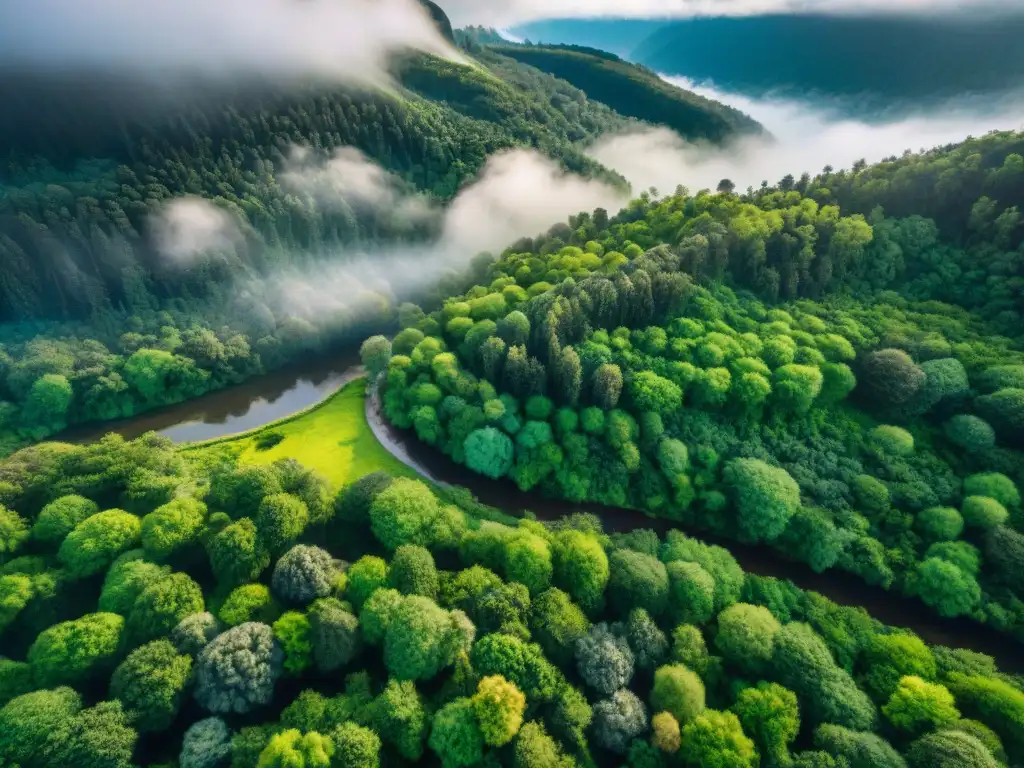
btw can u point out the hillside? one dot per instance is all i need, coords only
(634, 91)
(618, 36)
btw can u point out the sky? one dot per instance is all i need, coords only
(503, 13)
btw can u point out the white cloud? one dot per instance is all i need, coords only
(511, 12)
(189, 228)
(518, 193)
(806, 138)
(346, 40)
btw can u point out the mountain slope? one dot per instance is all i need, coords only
(635, 91)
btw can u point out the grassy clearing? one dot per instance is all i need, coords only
(333, 438)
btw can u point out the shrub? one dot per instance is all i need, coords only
(766, 497)
(267, 440)
(72, 652)
(303, 574)
(150, 684)
(95, 542)
(237, 670)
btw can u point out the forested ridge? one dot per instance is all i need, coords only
(98, 324)
(772, 367)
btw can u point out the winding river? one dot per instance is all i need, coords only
(268, 398)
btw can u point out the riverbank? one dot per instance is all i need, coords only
(890, 608)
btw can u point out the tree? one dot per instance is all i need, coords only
(890, 377)
(770, 714)
(27, 721)
(160, 606)
(172, 526)
(303, 574)
(402, 513)
(856, 748)
(375, 353)
(983, 512)
(994, 485)
(557, 623)
(716, 740)
(73, 652)
(678, 691)
(421, 639)
(946, 588)
(48, 403)
(490, 452)
(237, 670)
(645, 638)
(194, 632)
(997, 703)
(618, 720)
(746, 637)
(534, 748)
(413, 571)
(237, 554)
(97, 737)
(653, 393)
(688, 648)
(352, 504)
(607, 386)
(939, 524)
(366, 575)
(280, 520)
(691, 593)
(455, 735)
(889, 658)
(334, 634)
(499, 708)
(95, 542)
(970, 432)
(354, 747)
(376, 614)
(399, 718)
(604, 660)
(292, 632)
(795, 387)
(58, 518)
(14, 531)
(207, 744)
(150, 684)
(637, 581)
(240, 491)
(581, 568)
(665, 733)
(294, 748)
(917, 706)
(249, 602)
(766, 497)
(949, 749)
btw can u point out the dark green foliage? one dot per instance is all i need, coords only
(237, 554)
(949, 749)
(150, 684)
(413, 572)
(160, 606)
(237, 670)
(27, 721)
(618, 720)
(604, 660)
(857, 749)
(637, 581)
(303, 574)
(207, 744)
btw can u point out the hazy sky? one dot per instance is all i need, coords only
(807, 137)
(347, 40)
(510, 12)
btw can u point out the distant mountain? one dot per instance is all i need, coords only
(881, 61)
(618, 36)
(634, 91)
(441, 19)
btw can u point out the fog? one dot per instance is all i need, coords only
(805, 137)
(518, 193)
(346, 40)
(511, 12)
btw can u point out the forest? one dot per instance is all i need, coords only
(844, 388)
(164, 609)
(827, 367)
(97, 324)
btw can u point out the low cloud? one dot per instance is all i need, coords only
(191, 228)
(344, 40)
(348, 178)
(512, 12)
(517, 193)
(805, 138)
